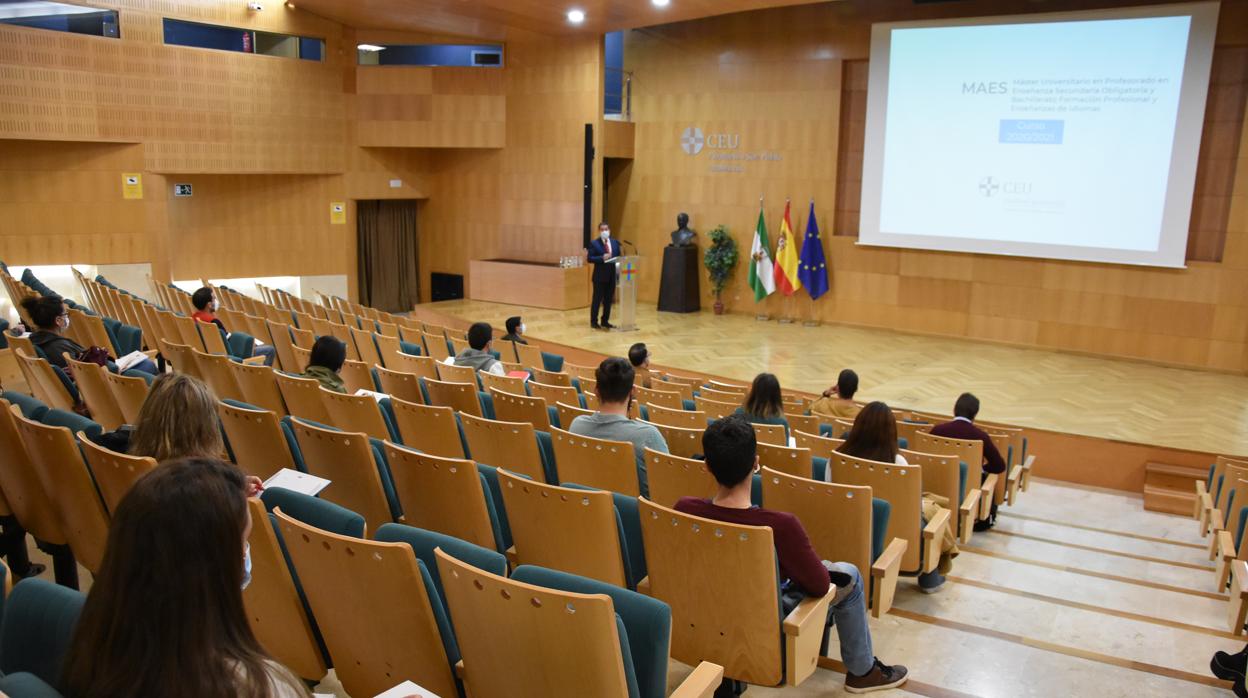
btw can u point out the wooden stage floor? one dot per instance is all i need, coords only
(1100, 397)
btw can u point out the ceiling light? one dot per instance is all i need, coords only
(576, 16)
(370, 47)
(660, 3)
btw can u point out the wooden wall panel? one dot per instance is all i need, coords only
(774, 78)
(416, 107)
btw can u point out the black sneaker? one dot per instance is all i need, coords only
(608, 326)
(880, 677)
(595, 326)
(981, 526)
(1229, 667)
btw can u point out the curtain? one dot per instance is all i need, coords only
(386, 239)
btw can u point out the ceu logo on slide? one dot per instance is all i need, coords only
(692, 140)
(990, 187)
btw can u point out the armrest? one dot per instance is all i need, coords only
(459, 670)
(1203, 507)
(1027, 471)
(254, 361)
(1215, 521)
(933, 536)
(151, 353)
(702, 683)
(1225, 553)
(643, 587)
(1237, 608)
(513, 560)
(807, 613)
(985, 498)
(884, 572)
(966, 515)
(1011, 484)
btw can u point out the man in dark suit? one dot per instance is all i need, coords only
(601, 253)
(963, 427)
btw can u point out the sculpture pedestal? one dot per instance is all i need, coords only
(678, 288)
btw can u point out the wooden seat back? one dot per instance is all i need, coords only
(517, 407)
(44, 382)
(441, 494)
(274, 608)
(283, 345)
(210, 337)
(607, 465)
(562, 528)
(818, 445)
(65, 476)
(22, 485)
(356, 376)
(685, 390)
(405, 386)
(671, 477)
(302, 397)
(685, 419)
(256, 440)
(435, 346)
(662, 398)
(129, 392)
(941, 474)
(714, 409)
(551, 377)
(365, 348)
(89, 377)
(372, 608)
(683, 442)
(183, 359)
(91, 330)
(771, 434)
(970, 452)
(837, 517)
(456, 374)
(507, 445)
(259, 386)
(428, 428)
(346, 460)
(507, 384)
(530, 356)
(686, 555)
(731, 398)
(114, 472)
(554, 394)
(901, 486)
(791, 461)
(567, 413)
(422, 366)
(523, 640)
(808, 423)
(218, 375)
(461, 397)
(356, 413)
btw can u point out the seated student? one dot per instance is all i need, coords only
(615, 396)
(477, 355)
(730, 448)
(837, 402)
(639, 357)
(51, 320)
(763, 404)
(963, 427)
(165, 615)
(205, 302)
(874, 437)
(328, 355)
(515, 330)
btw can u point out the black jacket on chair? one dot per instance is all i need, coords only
(604, 272)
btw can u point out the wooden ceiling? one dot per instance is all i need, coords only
(490, 19)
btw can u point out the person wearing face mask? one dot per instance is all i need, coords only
(165, 615)
(515, 330)
(51, 320)
(601, 253)
(206, 304)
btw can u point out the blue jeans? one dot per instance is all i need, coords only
(267, 351)
(848, 612)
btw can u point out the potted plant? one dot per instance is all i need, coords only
(719, 261)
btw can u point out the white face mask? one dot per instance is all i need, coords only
(521, 328)
(604, 234)
(66, 325)
(246, 564)
(214, 305)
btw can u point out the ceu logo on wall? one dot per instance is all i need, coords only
(691, 141)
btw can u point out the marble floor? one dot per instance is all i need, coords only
(1108, 398)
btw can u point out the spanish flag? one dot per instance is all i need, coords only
(786, 257)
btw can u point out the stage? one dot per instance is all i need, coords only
(1106, 399)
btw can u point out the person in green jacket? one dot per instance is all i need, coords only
(763, 404)
(328, 355)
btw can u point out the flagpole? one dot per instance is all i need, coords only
(761, 315)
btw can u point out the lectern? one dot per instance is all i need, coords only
(627, 271)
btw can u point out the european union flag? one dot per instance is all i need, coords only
(812, 269)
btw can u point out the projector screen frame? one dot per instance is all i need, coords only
(1184, 153)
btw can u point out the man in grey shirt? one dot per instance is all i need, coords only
(615, 395)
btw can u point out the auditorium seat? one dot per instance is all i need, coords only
(436, 346)
(797, 462)
(844, 523)
(461, 397)
(259, 387)
(554, 394)
(771, 434)
(670, 477)
(37, 629)
(218, 375)
(902, 487)
(676, 417)
(684, 442)
(256, 440)
(114, 473)
(662, 398)
(684, 389)
(65, 477)
(359, 413)
(507, 384)
(405, 386)
(457, 374)
(448, 495)
(21, 483)
(302, 397)
(358, 475)
(518, 407)
(431, 429)
(686, 555)
(552, 378)
(45, 383)
(376, 609)
(574, 529)
(615, 644)
(1225, 543)
(365, 346)
(947, 477)
(601, 463)
(514, 446)
(736, 399)
(282, 344)
(568, 412)
(422, 366)
(714, 409)
(356, 376)
(979, 489)
(802, 422)
(89, 377)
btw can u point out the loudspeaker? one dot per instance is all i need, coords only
(446, 287)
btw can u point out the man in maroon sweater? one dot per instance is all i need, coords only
(963, 427)
(729, 446)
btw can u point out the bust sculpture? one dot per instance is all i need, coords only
(682, 236)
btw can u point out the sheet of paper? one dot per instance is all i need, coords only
(371, 393)
(130, 360)
(296, 481)
(407, 689)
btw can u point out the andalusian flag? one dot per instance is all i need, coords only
(761, 271)
(786, 257)
(814, 268)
